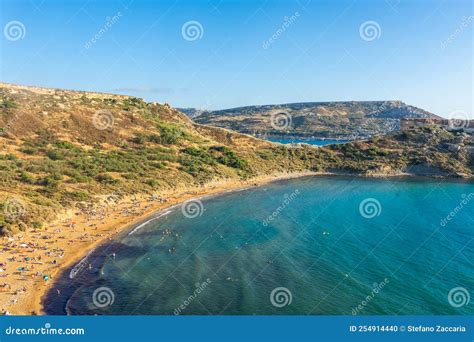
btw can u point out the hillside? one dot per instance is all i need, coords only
(191, 112)
(343, 120)
(61, 149)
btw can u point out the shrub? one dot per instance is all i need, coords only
(76, 176)
(105, 179)
(192, 166)
(7, 103)
(264, 155)
(25, 177)
(230, 158)
(169, 134)
(65, 145)
(49, 181)
(37, 224)
(152, 182)
(154, 138)
(54, 155)
(10, 156)
(130, 176)
(5, 228)
(157, 165)
(201, 154)
(139, 138)
(77, 195)
(29, 150)
(129, 103)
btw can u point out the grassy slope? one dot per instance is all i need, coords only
(52, 156)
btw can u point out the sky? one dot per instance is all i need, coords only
(220, 54)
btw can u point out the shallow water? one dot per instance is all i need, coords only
(393, 254)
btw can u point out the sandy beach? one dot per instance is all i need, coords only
(32, 260)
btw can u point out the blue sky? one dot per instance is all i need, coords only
(422, 51)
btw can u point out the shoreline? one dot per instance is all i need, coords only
(37, 291)
(25, 292)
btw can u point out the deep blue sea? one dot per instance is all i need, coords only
(315, 245)
(317, 142)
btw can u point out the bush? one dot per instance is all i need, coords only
(201, 154)
(25, 177)
(130, 176)
(37, 224)
(154, 138)
(65, 145)
(54, 155)
(135, 102)
(264, 155)
(76, 176)
(49, 181)
(192, 166)
(157, 165)
(152, 182)
(10, 156)
(105, 179)
(29, 150)
(77, 195)
(169, 134)
(139, 138)
(230, 158)
(7, 103)
(5, 228)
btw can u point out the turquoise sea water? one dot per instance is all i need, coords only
(335, 245)
(317, 142)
